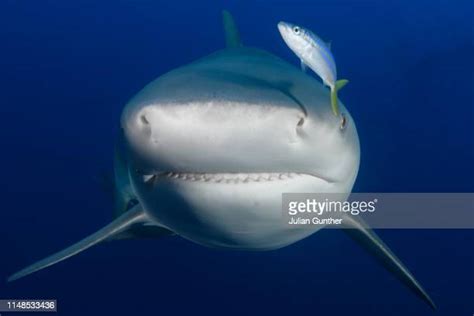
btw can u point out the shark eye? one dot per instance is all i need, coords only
(343, 122)
(296, 30)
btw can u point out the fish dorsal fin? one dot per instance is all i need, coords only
(232, 36)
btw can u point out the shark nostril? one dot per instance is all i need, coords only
(301, 122)
(143, 124)
(144, 120)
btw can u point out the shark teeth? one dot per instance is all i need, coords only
(148, 177)
(230, 178)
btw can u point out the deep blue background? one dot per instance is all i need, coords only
(68, 67)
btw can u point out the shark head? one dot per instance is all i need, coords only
(217, 136)
(223, 138)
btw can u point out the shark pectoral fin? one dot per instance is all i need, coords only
(303, 65)
(143, 231)
(358, 230)
(232, 36)
(334, 102)
(133, 216)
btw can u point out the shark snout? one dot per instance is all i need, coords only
(213, 138)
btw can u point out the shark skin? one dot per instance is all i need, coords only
(207, 150)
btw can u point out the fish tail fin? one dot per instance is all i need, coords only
(334, 101)
(120, 224)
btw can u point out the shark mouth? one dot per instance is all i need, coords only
(229, 178)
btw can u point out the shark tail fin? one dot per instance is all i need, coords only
(120, 224)
(334, 102)
(232, 36)
(364, 236)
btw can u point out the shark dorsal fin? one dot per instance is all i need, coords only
(232, 36)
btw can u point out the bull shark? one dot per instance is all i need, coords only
(206, 151)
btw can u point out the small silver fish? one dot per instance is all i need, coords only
(316, 54)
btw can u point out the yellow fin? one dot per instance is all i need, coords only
(341, 83)
(334, 102)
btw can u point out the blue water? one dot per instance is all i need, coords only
(68, 67)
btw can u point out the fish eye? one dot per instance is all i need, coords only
(296, 30)
(343, 122)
